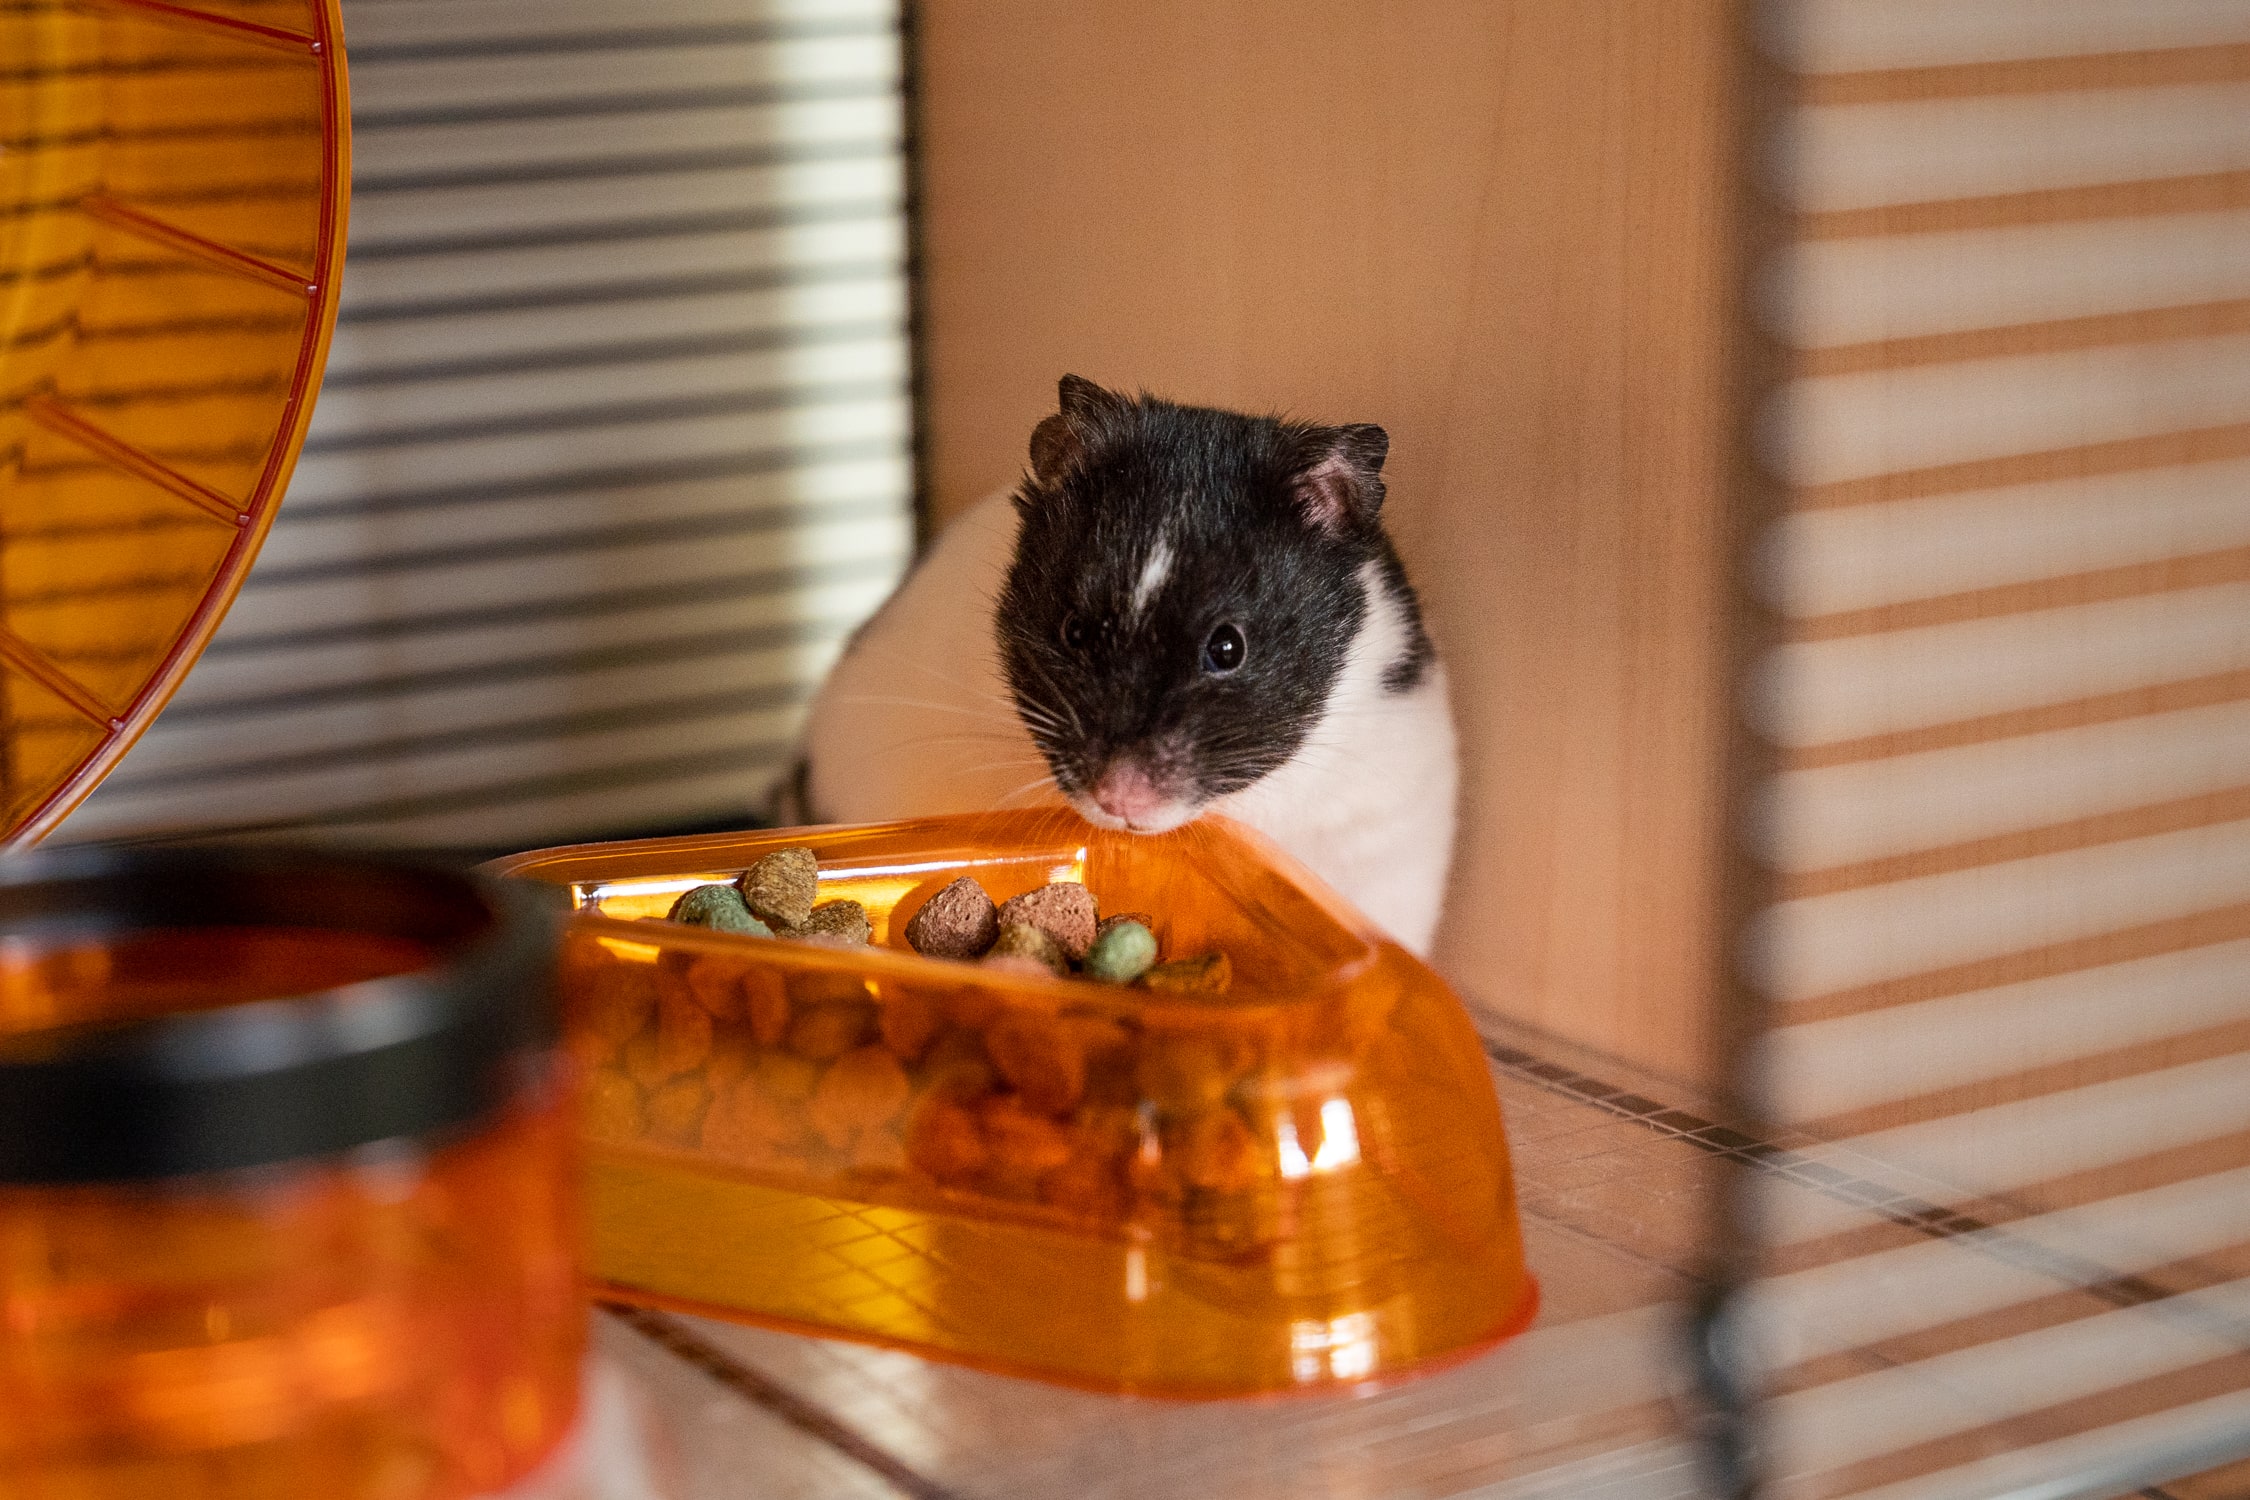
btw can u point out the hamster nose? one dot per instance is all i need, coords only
(1125, 791)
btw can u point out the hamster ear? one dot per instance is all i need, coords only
(1060, 441)
(1340, 483)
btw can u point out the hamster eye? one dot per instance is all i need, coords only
(1076, 633)
(1224, 651)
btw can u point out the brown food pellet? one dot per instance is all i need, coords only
(1021, 940)
(1122, 918)
(716, 984)
(765, 1001)
(781, 888)
(942, 1139)
(862, 1090)
(958, 922)
(1064, 911)
(826, 1032)
(1208, 975)
(675, 1111)
(843, 923)
(909, 1022)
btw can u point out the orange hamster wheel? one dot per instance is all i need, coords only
(173, 183)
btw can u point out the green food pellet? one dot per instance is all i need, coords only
(719, 907)
(782, 887)
(1122, 953)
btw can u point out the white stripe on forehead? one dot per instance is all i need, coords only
(1153, 573)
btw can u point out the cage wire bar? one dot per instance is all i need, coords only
(1993, 944)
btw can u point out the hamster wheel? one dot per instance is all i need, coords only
(173, 180)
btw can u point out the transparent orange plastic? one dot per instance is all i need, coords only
(1300, 1183)
(399, 1322)
(173, 180)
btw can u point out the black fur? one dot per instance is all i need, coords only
(1270, 523)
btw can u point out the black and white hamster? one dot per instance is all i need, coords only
(1179, 610)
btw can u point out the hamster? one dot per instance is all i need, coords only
(1179, 610)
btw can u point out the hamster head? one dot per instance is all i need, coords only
(1185, 592)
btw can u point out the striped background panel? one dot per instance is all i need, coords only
(2007, 709)
(614, 444)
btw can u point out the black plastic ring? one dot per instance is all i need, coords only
(273, 1080)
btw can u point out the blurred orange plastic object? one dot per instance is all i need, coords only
(1301, 1183)
(173, 179)
(287, 1184)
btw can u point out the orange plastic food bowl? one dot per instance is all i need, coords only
(1301, 1183)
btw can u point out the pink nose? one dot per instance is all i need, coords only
(1126, 792)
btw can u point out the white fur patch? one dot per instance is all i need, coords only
(1153, 573)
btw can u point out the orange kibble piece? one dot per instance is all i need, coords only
(683, 1034)
(785, 1079)
(731, 1057)
(879, 1151)
(675, 1111)
(909, 1022)
(618, 1002)
(746, 1124)
(613, 1107)
(1024, 1144)
(765, 1000)
(1183, 1074)
(716, 983)
(862, 1090)
(1086, 1186)
(1041, 1056)
(643, 1060)
(943, 1140)
(1217, 1150)
(828, 1031)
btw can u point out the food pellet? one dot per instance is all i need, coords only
(1208, 975)
(1122, 952)
(1064, 910)
(1120, 919)
(675, 1111)
(782, 887)
(843, 923)
(958, 922)
(1022, 940)
(943, 1140)
(826, 1032)
(719, 907)
(683, 1034)
(765, 999)
(863, 1090)
(716, 984)
(1041, 1058)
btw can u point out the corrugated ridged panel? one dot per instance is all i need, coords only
(2008, 825)
(613, 448)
